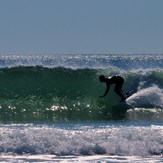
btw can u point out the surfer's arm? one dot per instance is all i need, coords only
(106, 92)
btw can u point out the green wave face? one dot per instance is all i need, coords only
(30, 94)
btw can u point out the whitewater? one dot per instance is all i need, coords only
(50, 110)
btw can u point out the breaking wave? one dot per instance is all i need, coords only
(36, 93)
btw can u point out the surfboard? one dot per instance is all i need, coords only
(129, 94)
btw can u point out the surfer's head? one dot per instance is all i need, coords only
(102, 78)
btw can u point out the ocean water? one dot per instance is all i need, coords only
(50, 108)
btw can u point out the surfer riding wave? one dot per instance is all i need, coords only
(117, 80)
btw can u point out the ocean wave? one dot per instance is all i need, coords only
(39, 93)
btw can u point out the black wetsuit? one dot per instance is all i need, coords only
(118, 81)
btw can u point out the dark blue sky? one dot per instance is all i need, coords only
(81, 26)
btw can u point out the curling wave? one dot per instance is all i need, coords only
(32, 93)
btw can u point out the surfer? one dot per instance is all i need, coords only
(117, 80)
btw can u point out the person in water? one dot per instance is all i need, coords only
(117, 80)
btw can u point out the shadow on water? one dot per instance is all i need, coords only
(116, 112)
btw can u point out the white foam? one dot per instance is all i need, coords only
(147, 97)
(144, 114)
(82, 140)
(79, 159)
